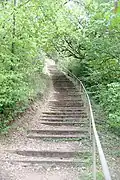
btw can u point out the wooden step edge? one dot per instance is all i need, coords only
(52, 161)
(57, 137)
(71, 130)
(62, 123)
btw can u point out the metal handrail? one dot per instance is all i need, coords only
(96, 140)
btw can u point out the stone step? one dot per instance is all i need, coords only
(71, 88)
(47, 161)
(59, 77)
(63, 80)
(58, 137)
(40, 157)
(64, 110)
(56, 73)
(67, 89)
(64, 98)
(69, 109)
(67, 93)
(66, 101)
(82, 115)
(51, 154)
(65, 119)
(58, 131)
(56, 123)
(63, 85)
(40, 145)
(76, 105)
(63, 113)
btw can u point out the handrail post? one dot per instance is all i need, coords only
(94, 159)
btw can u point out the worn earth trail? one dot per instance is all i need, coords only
(55, 143)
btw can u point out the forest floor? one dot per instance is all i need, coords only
(16, 138)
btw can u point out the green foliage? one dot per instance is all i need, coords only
(24, 38)
(110, 100)
(91, 48)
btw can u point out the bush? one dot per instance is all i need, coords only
(110, 101)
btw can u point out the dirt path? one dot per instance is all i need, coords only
(51, 141)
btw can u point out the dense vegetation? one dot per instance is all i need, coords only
(92, 52)
(23, 33)
(83, 35)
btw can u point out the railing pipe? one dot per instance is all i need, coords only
(94, 160)
(96, 139)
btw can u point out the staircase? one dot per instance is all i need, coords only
(61, 146)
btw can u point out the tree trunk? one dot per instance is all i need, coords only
(115, 6)
(14, 24)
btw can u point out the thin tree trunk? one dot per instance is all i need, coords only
(115, 6)
(14, 24)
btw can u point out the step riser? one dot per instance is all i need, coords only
(67, 89)
(59, 138)
(67, 110)
(64, 106)
(63, 98)
(64, 124)
(57, 133)
(65, 114)
(50, 132)
(63, 101)
(62, 163)
(62, 81)
(73, 120)
(64, 85)
(66, 93)
(53, 154)
(65, 119)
